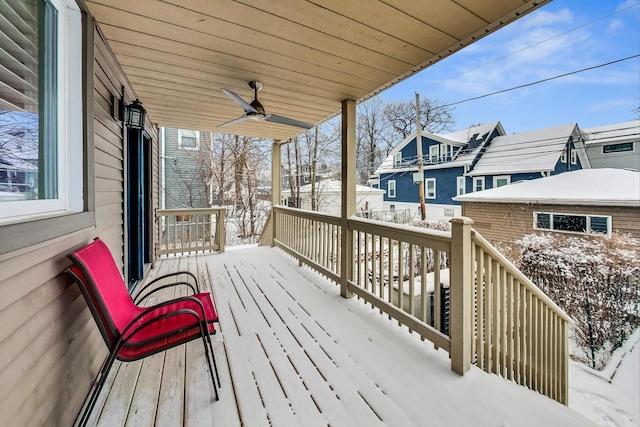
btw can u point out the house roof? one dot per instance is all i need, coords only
(533, 151)
(615, 133)
(591, 187)
(466, 157)
(309, 55)
(459, 138)
(334, 186)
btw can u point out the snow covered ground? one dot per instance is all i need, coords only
(610, 397)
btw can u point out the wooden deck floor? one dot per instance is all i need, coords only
(292, 352)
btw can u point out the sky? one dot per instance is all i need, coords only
(558, 38)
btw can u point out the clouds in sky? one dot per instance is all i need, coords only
(561, 37)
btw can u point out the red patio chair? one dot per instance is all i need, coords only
(131, 331)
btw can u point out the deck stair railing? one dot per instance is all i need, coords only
(452, 288)
(185, 231)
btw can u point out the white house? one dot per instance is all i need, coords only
(368, 199)
(614, 146)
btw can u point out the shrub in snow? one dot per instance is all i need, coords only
(594, 279)
(432, 225)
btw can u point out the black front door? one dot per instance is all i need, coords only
(138, 204)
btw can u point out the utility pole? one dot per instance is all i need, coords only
(423, 208)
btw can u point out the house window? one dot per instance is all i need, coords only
(478, 183)
(616, 148)
(391, 188)
(41, 135)
(392, 208)
(397, 160)
(430, 188)
(572, 223)
(188, 139)
(434, 153)
(499, 181)
(462, 186)
(563, 156)
(574, 157)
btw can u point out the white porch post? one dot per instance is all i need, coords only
(461, 296)
(276, 185)
(348, 196)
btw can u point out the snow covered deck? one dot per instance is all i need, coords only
(291, 352)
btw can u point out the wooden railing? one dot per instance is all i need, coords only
(313, 238)
(185, 231)
(396, 268)
(520, 334)
(453, 288)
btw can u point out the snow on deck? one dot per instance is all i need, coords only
(292, 352)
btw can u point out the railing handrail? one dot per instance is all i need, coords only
(194, 211)
(436, 239)
(308, 214)
(487, 247)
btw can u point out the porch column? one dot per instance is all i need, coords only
(460, 295)
(276, 185)
(348, 196)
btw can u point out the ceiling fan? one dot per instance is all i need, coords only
(255, 110)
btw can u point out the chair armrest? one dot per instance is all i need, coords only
(141, 297)
(175, 273)
(200, 317)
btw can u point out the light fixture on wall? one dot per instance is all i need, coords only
(133, 115)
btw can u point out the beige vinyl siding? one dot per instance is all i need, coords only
(51, 348)
(507, 222)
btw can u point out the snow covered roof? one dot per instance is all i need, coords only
(334, 186)
(459, 138)
(592, 187)
(465, 135)
(620, 132)
(466, 157)
(533, 151)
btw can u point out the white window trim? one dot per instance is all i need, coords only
(463, 181)
(397, 160)
(588, 216)
(434, 153)
(391, 189)
(563, 156)
(191, 134)
(70, 128)
(426, 186)
(574, 157)
(478, 179)
(496, 178)
(633, 148)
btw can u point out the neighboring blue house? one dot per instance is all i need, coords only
(474, 159)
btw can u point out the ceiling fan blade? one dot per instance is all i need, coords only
(244, 104)
(234, 121)
(287, 121)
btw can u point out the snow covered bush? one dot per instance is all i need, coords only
(595, 280)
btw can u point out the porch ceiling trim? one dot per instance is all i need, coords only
(310, 55)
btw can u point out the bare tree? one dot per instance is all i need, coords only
(373, 138)
(313, 145)
(434, 117)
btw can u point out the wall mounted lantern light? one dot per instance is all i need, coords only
(134, 115)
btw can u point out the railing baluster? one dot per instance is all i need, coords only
(480, 286)
(510, 336)
(437, 291)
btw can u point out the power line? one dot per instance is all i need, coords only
(536, 44)
(542, 81)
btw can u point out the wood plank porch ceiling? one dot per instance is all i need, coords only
(309, 54)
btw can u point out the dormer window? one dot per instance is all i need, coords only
(397, 160)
